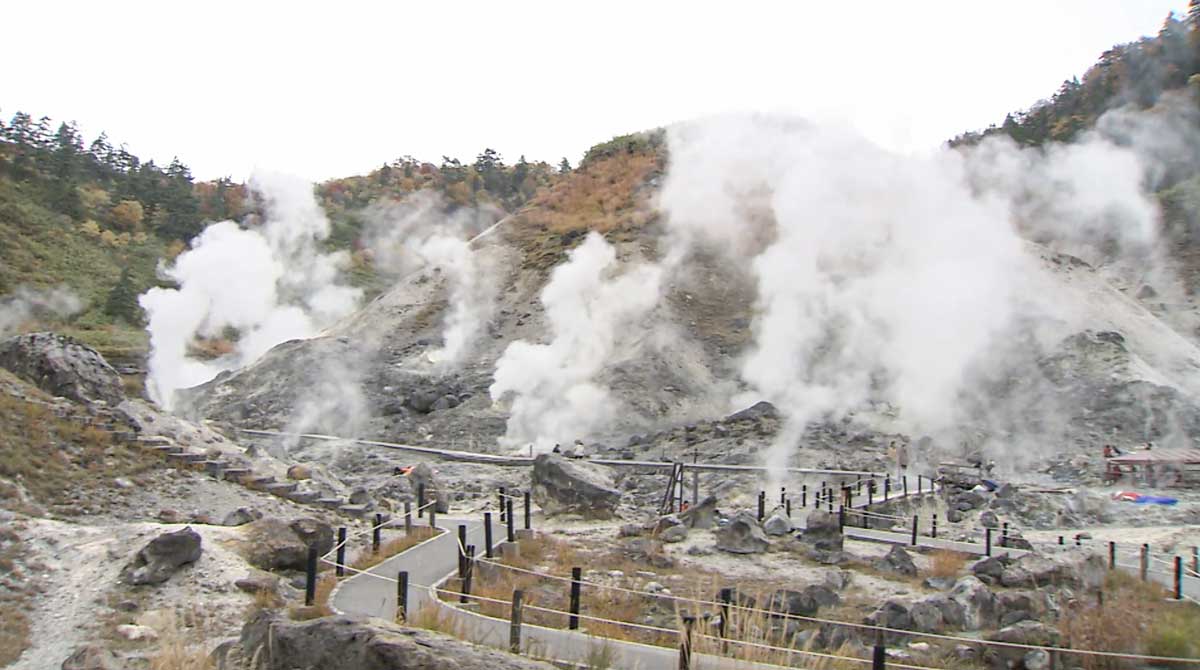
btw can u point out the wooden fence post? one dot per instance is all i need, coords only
(402, 596)
(528, 512)
(762, 505)
(310, 577)
(514, 623)
(987, 547)
(933, 527)
(420, 500)
(462, 551)
(512, 535)
(914, 531)
(377, 534)
(1112, 555)
(487, 534)
(340, 568)
(804, 495)
(407, 518)
(1179, 578)
(1144, 568)
(576, 583)
(879, 653)
(723, 629)
(468, 573)
(502, 504)
(685, 644)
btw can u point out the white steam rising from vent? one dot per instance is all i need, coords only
(554, 389)
(267, 284)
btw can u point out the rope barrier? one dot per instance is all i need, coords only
(797, 617)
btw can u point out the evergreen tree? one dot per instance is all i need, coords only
(122, 300)
(564, 166)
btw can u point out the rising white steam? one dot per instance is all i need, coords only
(26, 304)
(553, 387)
(269, 284)
(421, 232)
(885, 278)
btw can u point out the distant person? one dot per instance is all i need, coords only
(902, 459)
(557, 449)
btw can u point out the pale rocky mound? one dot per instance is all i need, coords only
(62, 367)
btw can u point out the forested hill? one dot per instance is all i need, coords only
(97, 218)
(1138, 73)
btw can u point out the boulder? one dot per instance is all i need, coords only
(990, 569)
(822, 537)
(423, 400)
(927, 617)
(63, 367)
(354, 643)
(953, 613)
(299, 472)
(162, 557)
(562, 486)
(988, 519)
(260, 582)
(777, 523)
(241, 516)
(802, 603)
(742, 535)
(91, 657)
(977, 601)
(1070, 570)
(967, 501)
(891, 614)
(1025, 633)
(898, 562)
(423, 475)
(954, 516)
(703, 515)
(274, 544)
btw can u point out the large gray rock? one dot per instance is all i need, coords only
(777, 523)
(562, 486)
(703, 515)
(423, 476)
(822, 537)
(1027, 633)
(898, 562)
(891, 614)
(1070, 570)
(977, 601)
(350, 643)
(742, 535)
(274, 544)
(802, 603)
(162, 557)
(61, 366)
(927, 617)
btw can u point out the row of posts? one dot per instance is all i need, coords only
(824, 496)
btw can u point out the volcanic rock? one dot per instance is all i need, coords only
(777, 523)
(274, 544)
(162, 557)
(897, 561)
(63, 367)
(703, 515)
(742, 535)
(822, 537)
(562, 486)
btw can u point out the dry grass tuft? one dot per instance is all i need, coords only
(946, 564)
(1136, 617)
(320, 606)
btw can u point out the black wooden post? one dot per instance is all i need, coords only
(310, 577)
(512, 534)
(514, 622)
(871, 493)
(685, 644)
(407, 518)
(487, 534)
(762, 505)
(1004, 534)
(528, 513)
(914, 531)
(841, 517)
(402, 596)
(933, 527)
(420, 500)
(723, 629)
(468, 573)
(1145, 564)
(1179, 578)
(433, 515)
(919, 484)
(887, 488)
(695, 481)
(804, 495)
(1112, 555)
(879, 653)
(376, 536)
(782, 495)
(1196, 560)
(987, 547)
(904, 483)
(1060, 540)
(576, 583)
(340, 568)
(788, 507)
(502, 504)
(462, 551)
(1078, 540)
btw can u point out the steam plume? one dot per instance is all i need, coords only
(268, 284)
(26, 303)
(554, 388)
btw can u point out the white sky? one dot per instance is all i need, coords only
(337, 88)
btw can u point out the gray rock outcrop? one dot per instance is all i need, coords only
(162, 557)
(822, 537)
(349, 643)
(898, 562)
(274, 544)
(703, 515)
(563, 486)
(742, 535)
(777, 523)
(60, 366)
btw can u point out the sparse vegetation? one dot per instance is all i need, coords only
(14, 598)
(946, 564)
